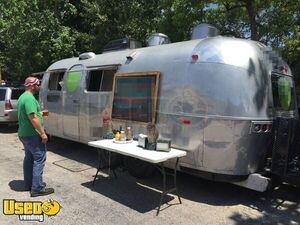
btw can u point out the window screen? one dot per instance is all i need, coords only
(55, 79)
(283, 92)
(107, 80)
(94, 80)
(100, 80)
(135, 97)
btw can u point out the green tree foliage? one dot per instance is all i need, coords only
(35, 33)
(272, 22)
(108, 20)
(32, 35)
(291, 52)
(179, 17)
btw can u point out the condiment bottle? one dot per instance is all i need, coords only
(118, 136)
(128, 133)
(123, 136)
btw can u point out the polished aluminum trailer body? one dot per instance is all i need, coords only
(212, 94)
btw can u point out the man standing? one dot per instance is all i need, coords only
(32, 134)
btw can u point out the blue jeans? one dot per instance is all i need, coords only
(34, 162)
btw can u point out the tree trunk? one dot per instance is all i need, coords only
(251, 14)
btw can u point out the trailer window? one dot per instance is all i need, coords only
(94, 80)
(107, 80)
(100, 80)
(135, 96)
(283, 92)
(54, 81)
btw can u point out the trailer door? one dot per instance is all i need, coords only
(71, 102)
(284, 125)
(50, 97)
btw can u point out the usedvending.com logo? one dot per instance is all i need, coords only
(31, 210)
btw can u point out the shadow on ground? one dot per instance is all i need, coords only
(8, 129)
(73, 150)
(17, 185)
(128, 191)
(278, 206)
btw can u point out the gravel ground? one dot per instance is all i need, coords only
(128, 200)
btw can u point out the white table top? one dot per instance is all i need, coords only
(132, 149)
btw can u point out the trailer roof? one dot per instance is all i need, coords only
(227, 50)
(120, 57)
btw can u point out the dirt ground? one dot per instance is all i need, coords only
(71, 167)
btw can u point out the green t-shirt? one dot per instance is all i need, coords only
(27, 104)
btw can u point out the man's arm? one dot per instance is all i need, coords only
(36, 124)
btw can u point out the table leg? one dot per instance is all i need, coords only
(109, 166)
(100, 165)
(165, 191)
(109, 155)
(163, 171)
(175, 180)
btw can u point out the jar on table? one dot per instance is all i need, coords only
(123, 136)
(128, 133)
(118, 136)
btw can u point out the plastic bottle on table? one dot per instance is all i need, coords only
(118, 136)
(123, 136)
(128, 133)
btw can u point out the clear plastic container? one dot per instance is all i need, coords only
(128, 133)
(123, 136)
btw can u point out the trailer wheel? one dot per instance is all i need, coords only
(276, 181)
(138, 168)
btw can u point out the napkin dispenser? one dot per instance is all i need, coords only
(142, 140)
(163, 145)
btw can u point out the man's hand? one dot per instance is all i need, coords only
(44, 138)
(36, 124)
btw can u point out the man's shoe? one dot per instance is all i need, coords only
(45, 191)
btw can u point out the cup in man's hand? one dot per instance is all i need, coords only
(45, 113)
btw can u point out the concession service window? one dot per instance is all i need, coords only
(135, 96)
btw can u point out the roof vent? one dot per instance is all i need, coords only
(158, 39)
(204, 31)
(120, 44)
(86, 55)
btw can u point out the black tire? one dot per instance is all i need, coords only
(139, 168)
(276, 181)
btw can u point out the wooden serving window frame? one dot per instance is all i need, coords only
(154, 92)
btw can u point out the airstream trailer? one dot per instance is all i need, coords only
(218, 98)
